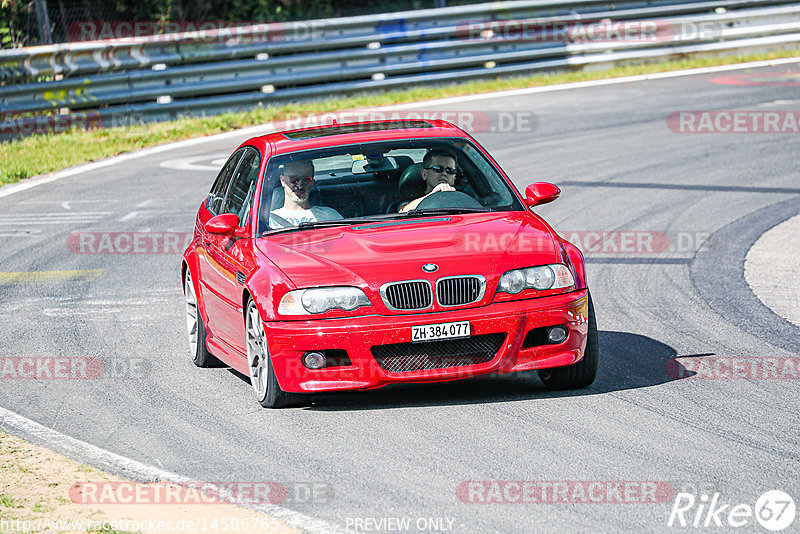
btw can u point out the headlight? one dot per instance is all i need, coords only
(321, 299)
(554, 276)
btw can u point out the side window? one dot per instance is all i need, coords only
(217, 194)
(240, 193)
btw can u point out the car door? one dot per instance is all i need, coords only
(229, 258)
(209, 272)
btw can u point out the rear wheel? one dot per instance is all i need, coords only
(581, 374)
(262, 375)
(195, 327)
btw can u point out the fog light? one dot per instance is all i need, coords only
(556, 334)
(314, 360)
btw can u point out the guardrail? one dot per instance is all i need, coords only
(278, 38)
(156, 78)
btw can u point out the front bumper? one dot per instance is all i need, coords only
(289, 340)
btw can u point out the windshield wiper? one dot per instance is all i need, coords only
(324, 224)
(443, 211)
(335, 222)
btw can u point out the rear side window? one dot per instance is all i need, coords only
(216, 197)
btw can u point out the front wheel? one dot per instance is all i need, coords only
(581, 374)
(262, 375)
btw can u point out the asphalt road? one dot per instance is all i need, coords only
(402, 452)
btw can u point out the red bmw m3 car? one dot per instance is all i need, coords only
(352, 256)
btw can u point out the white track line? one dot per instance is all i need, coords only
(599, 83)
(138, 471)
(253, 130)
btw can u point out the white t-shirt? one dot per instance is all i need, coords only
(282, 217)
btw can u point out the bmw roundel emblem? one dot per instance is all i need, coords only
(430, 267)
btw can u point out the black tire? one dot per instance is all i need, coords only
(277, 398)
(201, 356)
(268, 392)
(581, 374)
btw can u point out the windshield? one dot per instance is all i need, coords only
(382, 180)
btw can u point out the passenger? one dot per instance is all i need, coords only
(297, 180)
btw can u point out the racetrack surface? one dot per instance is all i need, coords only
(401, 452)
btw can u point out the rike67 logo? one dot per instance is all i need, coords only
(774, 510)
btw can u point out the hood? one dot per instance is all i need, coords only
(373, 254)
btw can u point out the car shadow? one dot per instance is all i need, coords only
(627, 361)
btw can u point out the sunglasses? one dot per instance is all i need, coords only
(302, 180)
(440, 169)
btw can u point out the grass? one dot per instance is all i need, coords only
(33, 500)
(41, 507)
(39, 154)
(8, 502)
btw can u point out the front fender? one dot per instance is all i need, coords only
(266, 286)
(575, 257)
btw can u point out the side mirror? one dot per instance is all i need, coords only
(541, 193)
(224, 224)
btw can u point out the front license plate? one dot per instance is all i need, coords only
(431, 332)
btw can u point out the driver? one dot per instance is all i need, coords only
(297, 180)
(439, 173)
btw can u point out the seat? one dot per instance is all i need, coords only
(410, 186)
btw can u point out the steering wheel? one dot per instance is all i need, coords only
(394, 207)
(449, 199)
